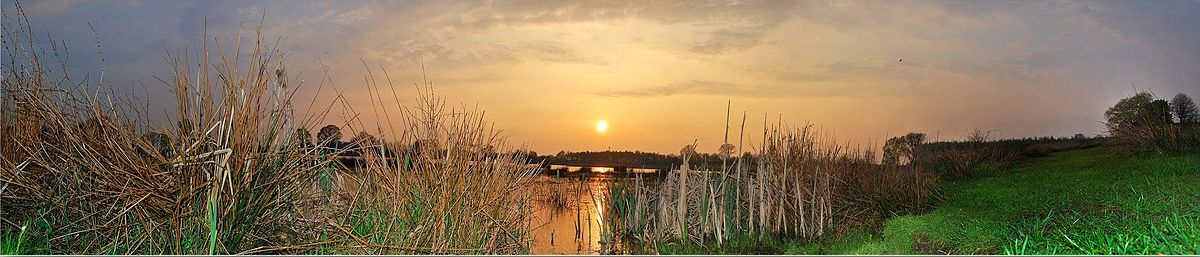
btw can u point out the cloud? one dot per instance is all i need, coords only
(48, 8)
(693, 87)
(554, 52)
(744, 26)
(727, 25)
(352, 16)
(725, 40)
(408, 50)
(412, 50)
(766, 90)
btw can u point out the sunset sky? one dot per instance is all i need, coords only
(659, 73)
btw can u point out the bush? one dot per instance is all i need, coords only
(1141, 123)
(876, 193)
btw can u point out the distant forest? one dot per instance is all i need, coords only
(628, 159)
(924, 153)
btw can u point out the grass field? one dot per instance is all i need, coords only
(1092, 201)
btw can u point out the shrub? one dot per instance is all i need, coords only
(876, 193)
(1141, 123)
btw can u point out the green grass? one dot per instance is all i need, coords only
(738, 244)
(1092, 201)
(31, 238)
(10, 243)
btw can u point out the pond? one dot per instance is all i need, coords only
(566, 213)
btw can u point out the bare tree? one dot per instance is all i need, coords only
(1185, 109)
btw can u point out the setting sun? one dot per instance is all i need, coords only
(601, 126)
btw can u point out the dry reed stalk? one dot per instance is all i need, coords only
(93, 176)
(802, 186)
(458, 190)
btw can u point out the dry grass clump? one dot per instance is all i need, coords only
(91, 168)
(1156, 136)
(959, 163)
(875, 193)
(229, 174)
(460, 192)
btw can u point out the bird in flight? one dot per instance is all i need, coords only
(901, 60)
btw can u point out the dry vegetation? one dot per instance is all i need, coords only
(798, 185)
(86, 171)
(452, 196)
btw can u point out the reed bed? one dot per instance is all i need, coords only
(458, 193)
(798, 185)
(87, 171)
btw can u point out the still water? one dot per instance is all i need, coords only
(566, 214)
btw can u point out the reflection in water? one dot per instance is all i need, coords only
(573, 169)
(572, 228)
(568, 214)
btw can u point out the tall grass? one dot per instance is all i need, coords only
(1152, 135)
(459, 193)
(108, 181)
(227, 175)
(798, 185)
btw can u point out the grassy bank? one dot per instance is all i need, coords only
(1092, 201)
